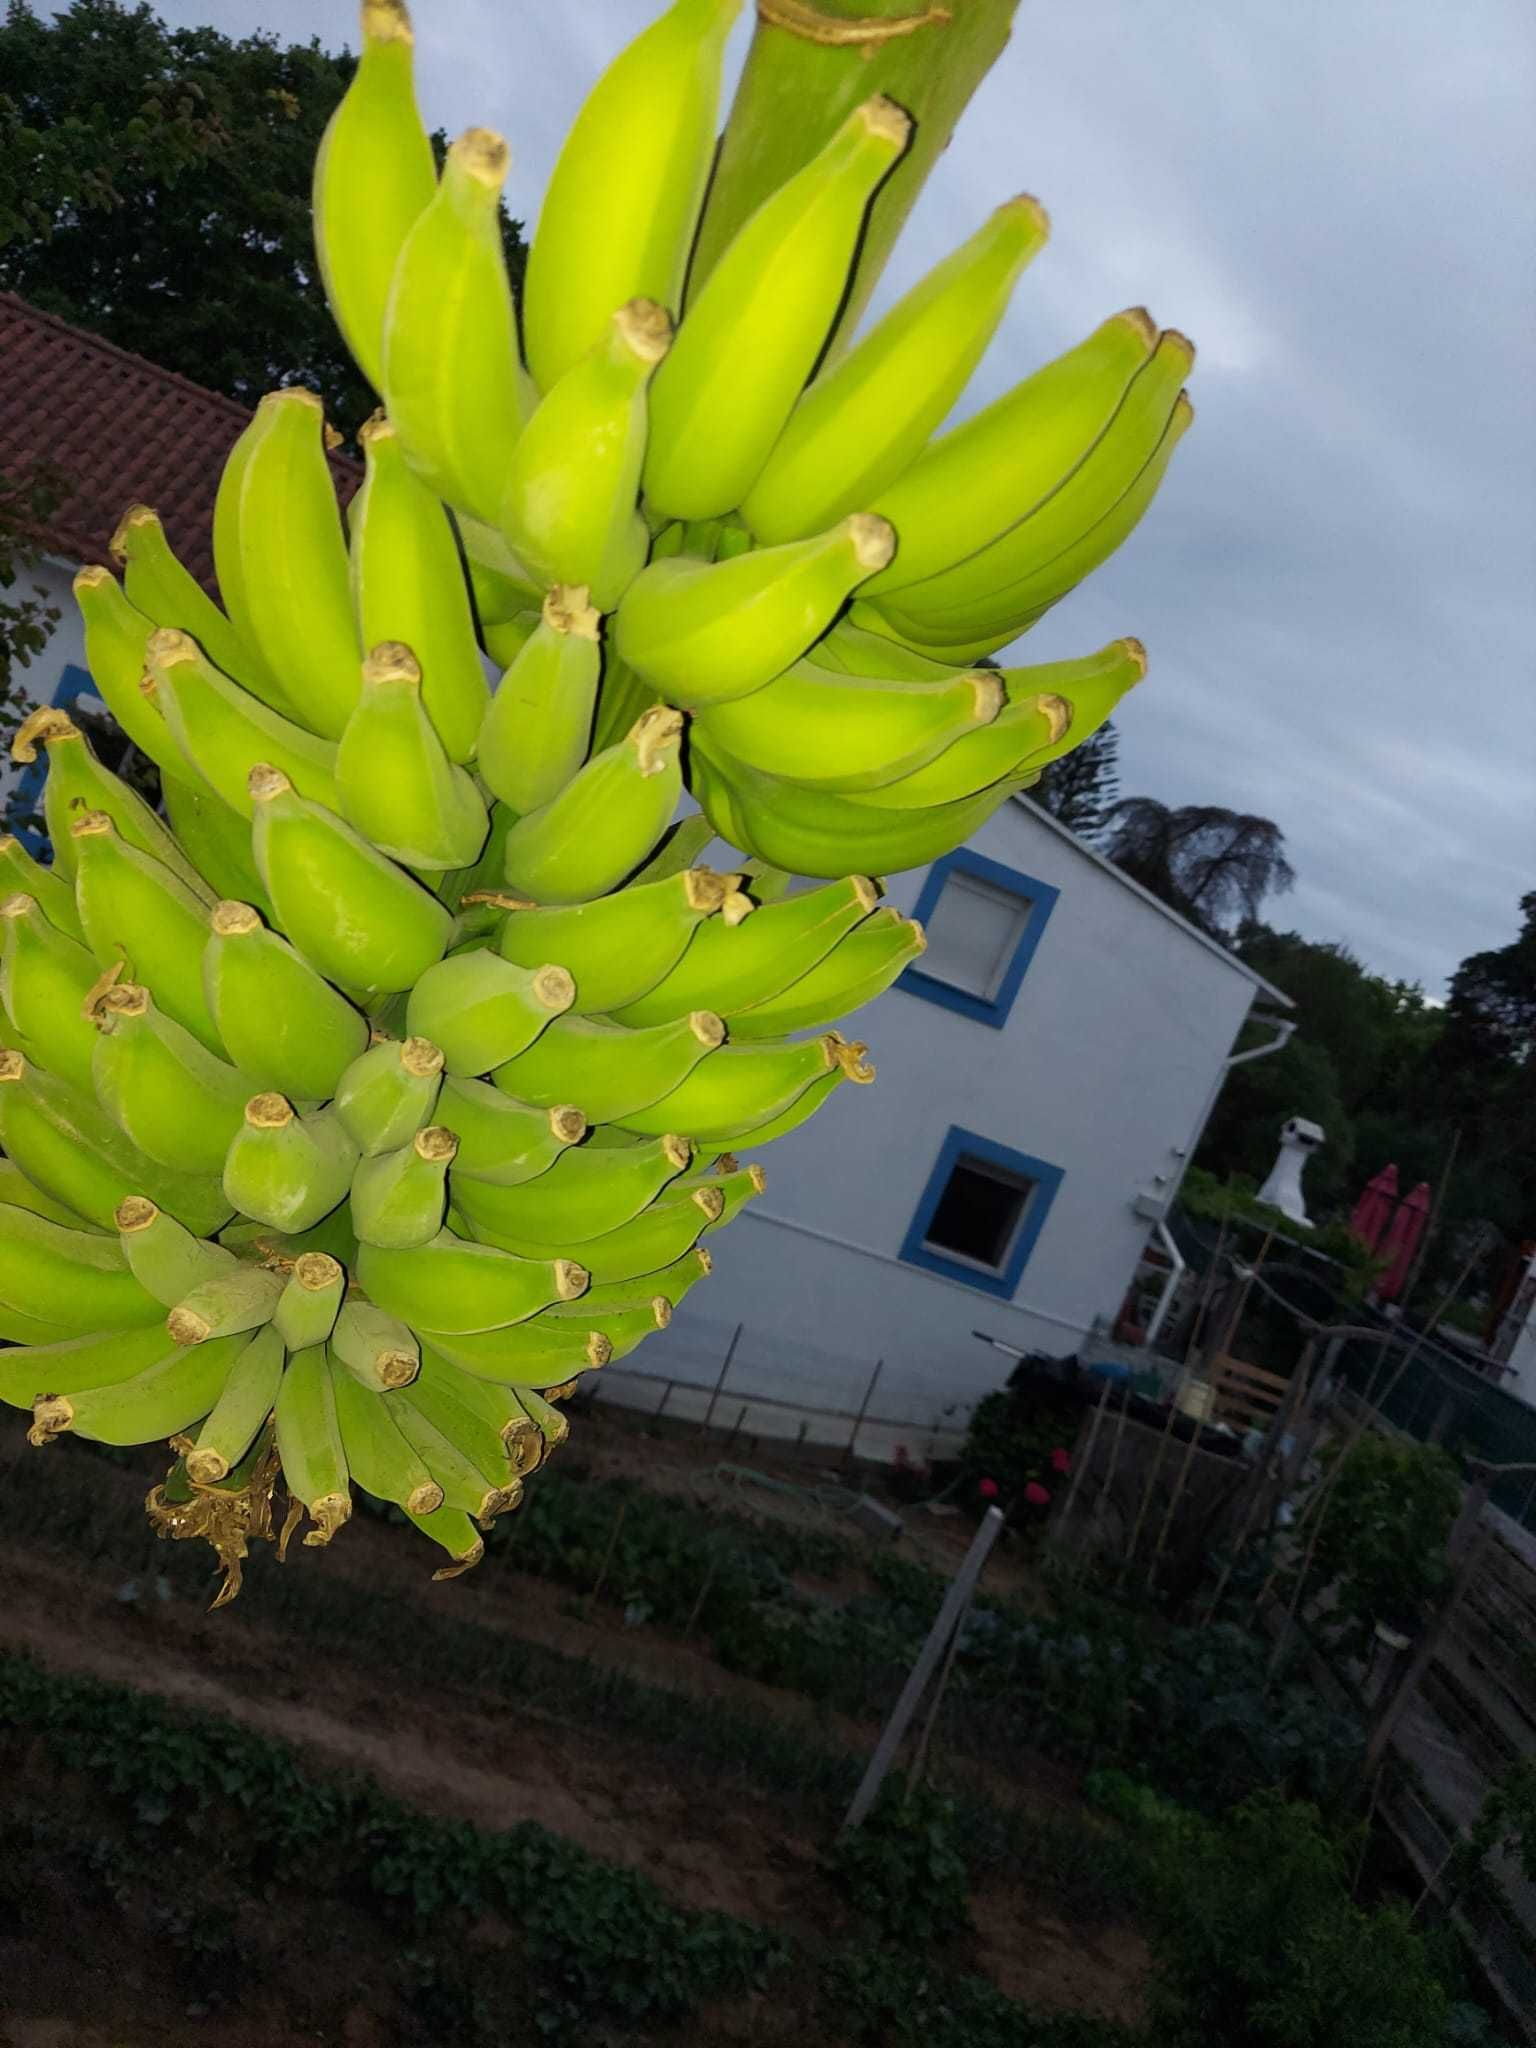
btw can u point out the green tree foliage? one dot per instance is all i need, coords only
(28, 614)
(1083, 787)
(154, 188)
(1381, 1543)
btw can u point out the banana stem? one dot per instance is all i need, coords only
(808, 67)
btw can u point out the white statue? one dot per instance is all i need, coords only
(1298, 1141)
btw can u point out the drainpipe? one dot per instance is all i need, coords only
(1284, 1028)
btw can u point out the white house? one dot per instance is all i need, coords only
(1042, 1082)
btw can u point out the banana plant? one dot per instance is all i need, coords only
(399, 1073)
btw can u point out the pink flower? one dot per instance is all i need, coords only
(1061, 1461)
(1037, 1495)
(988, 1489)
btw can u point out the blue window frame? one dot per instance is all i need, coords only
(990, 996)
(981, 1212)
(27, 793)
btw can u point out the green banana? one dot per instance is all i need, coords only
(78, 782)
(502, 1141)
(736, 1085)
(137, 914)
(281, 558)
(17, 1192)
(977, 480)
(657, 1237)
(309, 1444)
(310, 1301)
(857, 651)
(76, 1279)
(822, 730)
(388, 1092)
(753, 333)
(483, 1010)
(605, 821)
(46, 981)
(985, 582)
(224, 732)
(702, 633)
(627, 1328)
(374, 177)
(670, 1283)
(313, 864)
(408, 587)
(116, 636)
(866, 419)
(377, 1349)
(568, 503)
(584, 1194)
(619, 947)
(487, 1425)
(452, 375)
(811, 832)
(985, 630)
(158, 1402)
(456, 1534)
(73, 1151)
(163, 1255)
(1051, 709)
(398, 1198)
(379, 1457)
(226, 1305)
(218, 840)
(32, 1372)
(538, 1352)
(178, 1103)
(466, 1487)
(623, 202)
(453, 1285)
(285, 1169)
(395, 783)
(536, 731)
(613, 1070)
(244, 1404)
(551, 1424)
(742, 963)
(859, 968)
(21, 875)
(164, 592)
(281, 1022)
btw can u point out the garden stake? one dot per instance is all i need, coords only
(613, 1537)
(945, 1626)
(1079, 1464)
(1288, 1417)
(730, 1353)
(858, 1420)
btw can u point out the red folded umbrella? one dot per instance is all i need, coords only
(1401, 1241)
(1376, 1208)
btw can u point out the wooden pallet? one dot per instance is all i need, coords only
(1245, 1395)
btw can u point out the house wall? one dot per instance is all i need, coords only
(1103, 1069)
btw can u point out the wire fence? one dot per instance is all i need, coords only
(752, 1382)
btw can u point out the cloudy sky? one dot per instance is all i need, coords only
(1337, 586)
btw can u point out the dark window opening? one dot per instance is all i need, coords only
(978, 1215)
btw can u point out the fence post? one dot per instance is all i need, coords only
(1082, 1458)
(950, 1616)
(858, 1420)
(730, 1353)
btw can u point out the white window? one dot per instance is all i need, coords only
(974, 930)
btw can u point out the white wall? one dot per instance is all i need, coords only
(66, 645)
(1103, 1069)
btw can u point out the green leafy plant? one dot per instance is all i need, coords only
(904, 1869)
(1381, 1547)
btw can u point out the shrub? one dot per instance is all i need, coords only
(903, 1868)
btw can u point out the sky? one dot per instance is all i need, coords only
(1336, 199)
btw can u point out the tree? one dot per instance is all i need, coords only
(1213, 865)
(154, 188)
(1491, 1012)
(1081, 788)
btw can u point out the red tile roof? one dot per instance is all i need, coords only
(122, 430)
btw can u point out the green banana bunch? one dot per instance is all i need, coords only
(395, 1076)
